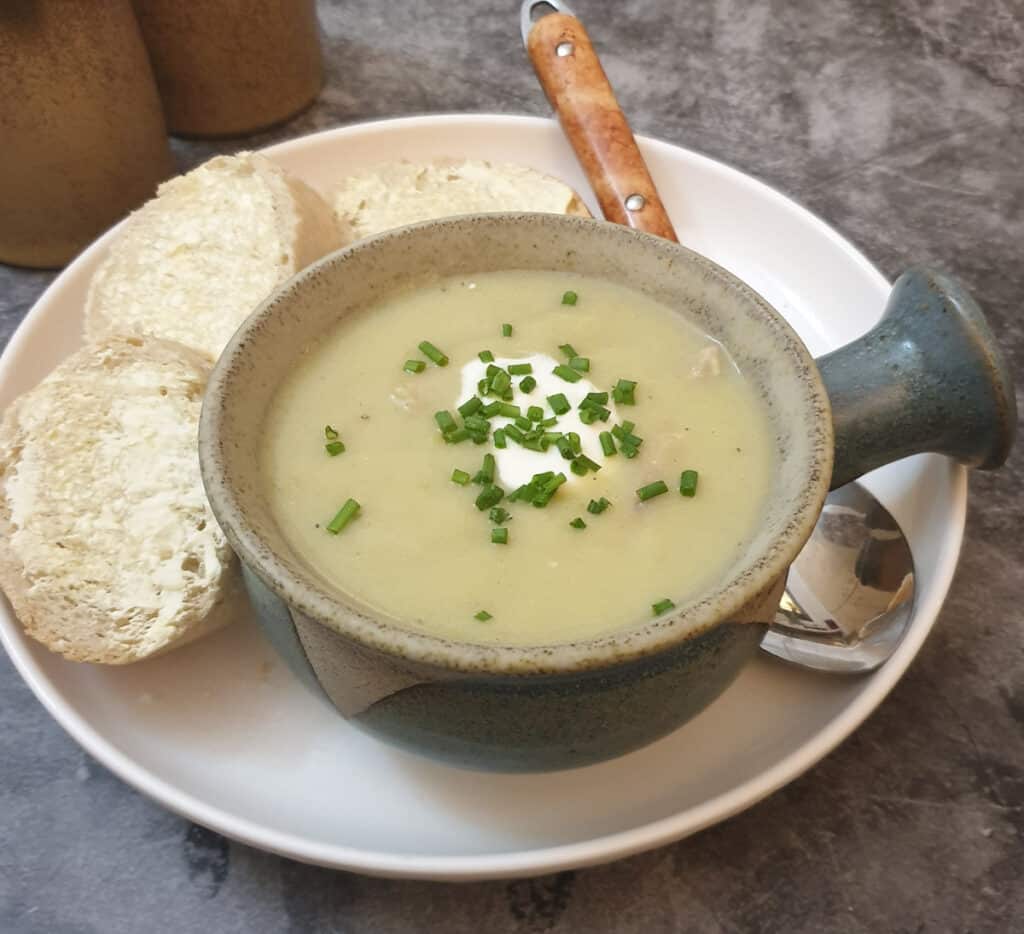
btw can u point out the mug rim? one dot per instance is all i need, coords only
(302, 592)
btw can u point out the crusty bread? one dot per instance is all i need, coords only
(108, 549)
(191, 264)
(393, 194)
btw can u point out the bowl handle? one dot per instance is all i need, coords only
(928, 377)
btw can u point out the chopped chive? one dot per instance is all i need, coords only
(330, 433)
(596, 506)
(622, 392)
(479, 437)
(343, 516)
(491, 370)
(629, 451)
(597, 410)
(535, 413)
(688, 483)
(509, 410)
(506, 330)
(477, 423)
(511, 431)
(445, 421)
(607, 443)
(564, 446)
(574, 440)
(569, 298)
(547, 423)
(628, 426)
(482, 387)
(483, 616)
(651, 490)
(334, 448)
(414, 366)
(551, 437)
(588, 416)
(567, 373)
(457, 436)
(486, 356)
(662, 606)
(529, 384)
(559, 404)
(485, 474)
(432, 353)
(499, 536)
(580, 364)
(568, 350)
(578, 523)
(499, 439)
(500, 382)
(491, 409)
(533, 444)
(524, 423)
(489, 496)
(499, 516)
(520, 369)
(601, 398)
(460, 477)
(508, 395)
(471, 405)
(582, 464)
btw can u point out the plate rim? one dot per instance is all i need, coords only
(537, 860)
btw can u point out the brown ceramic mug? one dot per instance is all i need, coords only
(83, 134)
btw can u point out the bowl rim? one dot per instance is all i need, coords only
(371, 630)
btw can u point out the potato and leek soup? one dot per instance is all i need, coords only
(519, 457)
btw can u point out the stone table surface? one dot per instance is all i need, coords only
(901, 122)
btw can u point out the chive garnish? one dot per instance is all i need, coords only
(568, 350)
(432, 353)
(499, 516)
(662, 606)
(491, 370)
(489, 496)
(601, 398)
(486, 356)
(581, 364)
(559, 404)
(688, 483)
(491, 409)
(564, 446)
(486, 472)
(330, 433)
(622, 392)
(471, 405)
(567, 373)
(445, 421)
(520, 369)
(596, 506)
(483, 616)
(343, 516)
(506, 330)
(578, 523)
(499, 438)
(477, 423)
(500, 382)
(414, 366)
(482, 387)
(588, 416)
(582, 464)
(529, 384)
(499, 536)
(460, 477)
(460, 434)
(509, 410)
(535, 413)
(511, 431)
(523, 423)
(651, 490)
(607, 443)
(334, 448)
(569, 298)
(547, 423)
(574, 440)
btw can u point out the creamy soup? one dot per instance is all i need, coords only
(652, 457)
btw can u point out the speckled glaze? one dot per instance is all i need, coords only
(538, 707)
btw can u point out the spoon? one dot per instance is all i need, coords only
(849, 595)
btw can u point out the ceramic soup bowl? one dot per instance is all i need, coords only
(927, 378)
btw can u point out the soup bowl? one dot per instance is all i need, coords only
(928, 377)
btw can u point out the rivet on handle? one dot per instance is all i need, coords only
(563, 49)
(635, 202)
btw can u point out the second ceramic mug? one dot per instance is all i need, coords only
(927, 378)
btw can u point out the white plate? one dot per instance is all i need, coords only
(222, 733)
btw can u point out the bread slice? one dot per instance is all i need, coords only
(191, 264)
(108, 549)
(394, 194)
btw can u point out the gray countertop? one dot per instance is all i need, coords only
(902, 123)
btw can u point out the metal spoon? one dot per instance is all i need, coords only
(850, 592)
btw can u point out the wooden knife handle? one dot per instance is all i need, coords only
(578, 89)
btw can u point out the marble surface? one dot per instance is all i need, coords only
(902, 123)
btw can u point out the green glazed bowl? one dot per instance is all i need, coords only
(568, 704)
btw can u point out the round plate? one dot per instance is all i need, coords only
(221, 732)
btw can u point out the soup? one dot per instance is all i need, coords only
(613, 465)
